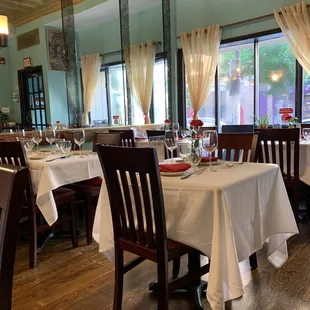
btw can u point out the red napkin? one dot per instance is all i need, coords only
(174, 167)
(96, 181)
(207, 159)
(137, 139)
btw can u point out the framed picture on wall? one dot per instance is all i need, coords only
(27, 62)
(56, 47)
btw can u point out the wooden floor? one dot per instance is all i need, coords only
(82, 279)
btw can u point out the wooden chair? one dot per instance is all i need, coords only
(285, 142)
(89, 190)
(238, 143)
(127, 137)
(148, 209)
(237, 128)
(107, 139)
(13, 153)
(13, 184)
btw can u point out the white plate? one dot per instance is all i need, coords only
(37, 157)
(172, 174)
(45, 150)
(82, 152)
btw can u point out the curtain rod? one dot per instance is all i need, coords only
(250, 20)
(119, 51)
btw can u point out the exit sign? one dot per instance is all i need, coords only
(2, 61)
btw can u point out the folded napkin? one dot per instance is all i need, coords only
(96, 181)
(174, 167)
(139, 139)
(207, 159)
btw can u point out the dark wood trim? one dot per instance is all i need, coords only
(216, 98)
(298, 91)
(256, 78)
(107, 87)
(251, 36)
(181, 89)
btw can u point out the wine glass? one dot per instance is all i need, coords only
(195, 154)
(65, 146)
(171, 140)
(28, 145)
(20, 135)
(57, 144)
(209, 143)
(37, 137)
(79, 138)
(184, 132)
(50, 136)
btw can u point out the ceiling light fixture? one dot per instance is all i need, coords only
(4, 31)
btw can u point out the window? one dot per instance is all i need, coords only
(277, 72)
(110, 98)
(236, 84)
(258, 76)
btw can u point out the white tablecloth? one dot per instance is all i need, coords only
(47, 176)
(227, 215)
(304, 162)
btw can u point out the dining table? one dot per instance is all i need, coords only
(227, 215)
(50, 171)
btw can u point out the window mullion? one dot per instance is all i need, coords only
(256, 79)
(107, 88)
(298, 91)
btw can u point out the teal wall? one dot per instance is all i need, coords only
(5, 80)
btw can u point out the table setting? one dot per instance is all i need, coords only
(226, 210)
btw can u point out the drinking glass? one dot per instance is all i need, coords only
(65, 146)
(195, 154)
(175, 126)
(79, 138)
(210, 143)
(158, 142)
(57, 144)
(171, 140)
(37, 137)
(306, 133)
(20, 135)
(28, 145)
(50, 136)
(185, 150)
(184, 133)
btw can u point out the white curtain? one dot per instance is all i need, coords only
(91, 65)
(140, 60)
(294, 23)
(200, 51)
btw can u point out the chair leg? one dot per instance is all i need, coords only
(176, 268)
(253, 261)
(119, 278)
(89, 219)
(72, 223)
(162, 274)
(33, 259)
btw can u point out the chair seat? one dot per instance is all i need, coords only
(86, 187)
(63, 195)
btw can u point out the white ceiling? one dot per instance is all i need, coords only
(105, 12)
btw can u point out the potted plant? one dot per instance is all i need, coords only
(262, 122)
(292, 122)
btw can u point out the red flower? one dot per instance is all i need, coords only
(287, 117)
(196, 123)
(167, 121)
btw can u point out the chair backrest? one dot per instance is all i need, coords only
(155, 133)
(13, 183)
(138, 177)
(127, 137)
(280, 146)
(237, 128)
(202, 129)
(107, 139)
(244, 144)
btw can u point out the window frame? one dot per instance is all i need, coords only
(255, 36)
(105, 68)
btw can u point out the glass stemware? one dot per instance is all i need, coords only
(37, 137)
(79, 138)
(171, 139)
(184, 132)
(50, 137)
(20, 135)
(57, 144)
(28, 145)
(65, 147)
(185, 150)
(210, 143)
